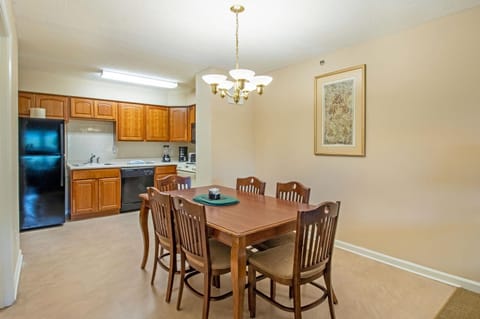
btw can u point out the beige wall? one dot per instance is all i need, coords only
(10, 254)
(415, 196)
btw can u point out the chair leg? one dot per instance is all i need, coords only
(207, 278)
(252, 285)
(273, 289)
(182, 280)
(171, 274)
(328, 283)
(297, 302)
(155, 261)
(216, 281)
(335, 300)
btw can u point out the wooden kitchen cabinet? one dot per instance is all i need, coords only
(191, 122)
(130, 123)
(84, 197)
(93, 109)
(179, 124)
(162, 171)
(81, 108)
(55, 106)
(109, 194)
(25, 102)
(94, 192)
(105, 110)
(157, 126)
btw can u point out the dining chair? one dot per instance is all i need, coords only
(301, 262)
(204, 255)
(294, 192)
(251, 184)
(160, 205)
(173, 182)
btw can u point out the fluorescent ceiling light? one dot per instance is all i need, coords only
(138, 79)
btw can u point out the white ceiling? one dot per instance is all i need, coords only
(177, 38)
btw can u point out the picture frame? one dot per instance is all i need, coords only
(340, 112)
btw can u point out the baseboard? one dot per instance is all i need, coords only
(18, 269)
(411, 267)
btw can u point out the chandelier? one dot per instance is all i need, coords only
(245, 80)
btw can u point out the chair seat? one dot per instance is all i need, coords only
(219, 255)
(278, 262)
(277, 241)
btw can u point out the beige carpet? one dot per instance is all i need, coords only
(463, 304)
(91, 269)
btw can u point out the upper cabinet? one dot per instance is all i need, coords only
(191, 123)
(179, 124)
(131, 122)
(105, 110)
(93, 109)
(81, 108)
(157, 128)
(55, 106)
(25, 102)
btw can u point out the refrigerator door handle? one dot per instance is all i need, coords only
(62, 132)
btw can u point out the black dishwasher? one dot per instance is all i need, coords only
(135, 181)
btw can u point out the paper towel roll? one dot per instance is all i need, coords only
(37, 112)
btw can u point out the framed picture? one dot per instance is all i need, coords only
(340, 112)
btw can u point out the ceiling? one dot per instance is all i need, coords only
(176, 39)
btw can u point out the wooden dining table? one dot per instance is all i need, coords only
(254, 219)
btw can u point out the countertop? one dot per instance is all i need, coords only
(121, 163)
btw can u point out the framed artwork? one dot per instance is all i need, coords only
(340, 112)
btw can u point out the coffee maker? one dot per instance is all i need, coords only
(166, 153)
(182, 153)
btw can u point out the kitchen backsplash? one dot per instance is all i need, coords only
(97, 137)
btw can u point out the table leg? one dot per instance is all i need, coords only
(143, 219)
(238, 263)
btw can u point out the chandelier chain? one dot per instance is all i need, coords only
(236, 41)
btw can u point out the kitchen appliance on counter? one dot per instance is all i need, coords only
(135, 181)
(182, 153)
(192, 157)
(166, 153)
(41, 172)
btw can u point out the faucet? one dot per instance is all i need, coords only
(98, 159)
(92, 156)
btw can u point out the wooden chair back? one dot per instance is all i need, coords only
(173, 182)
(160, 205)
(251, 184)
(315, 237)
(192, 232)
(294, 192)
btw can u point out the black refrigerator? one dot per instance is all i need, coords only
(41, 172)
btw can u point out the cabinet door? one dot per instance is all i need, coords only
(109, 194)
(25, 102)
(191, 121)
(81, 108)
(130, 124)
(55, 105)
(178, 124)
(84, 197)
(157, 123)
(105, 110)
(162, 171)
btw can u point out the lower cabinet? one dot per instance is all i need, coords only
(162, 171)
(94, 192)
